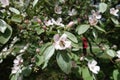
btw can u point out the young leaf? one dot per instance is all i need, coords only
(49, 52)
(39, 60)
(111, 53)
(99, 28)
(116, 75)
(35, 2)
(115, 21)
(82, 28)
(3, 26)
(17, 18)
(14, 10)
(86, 74)
(72, 37)
(6, 36)
(102, 7)
(64, 62)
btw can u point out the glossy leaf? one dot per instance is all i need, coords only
(115, 21)
(72, 37)
(116, 74)
(17, 18)
(86, 74)
(99, 28)
(35, 2)
(111, 53)
(14, 10)
(3, 26)
(4, 37)
(64, 62)
(39, 60)
(49, 52)
(82, 28)
(102, 7)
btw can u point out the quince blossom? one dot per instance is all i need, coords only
(114, 11)
(61, 43)
(58, 22)
(92, 66)
(96, 14)
(17, 65)
(72, 12)
(48, 23)
(58, 9)
(4, 3)
(92, 20)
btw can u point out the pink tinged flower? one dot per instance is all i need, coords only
(48, 23)
(18, 60)
(92, 20)
(58, 9)
(61, 43)
(96, 14)
(92, 65)
(72, 12)
(58, 22)
(118, 54)
(16, 69)
(70, 24)
(114, 11)
(4, 3)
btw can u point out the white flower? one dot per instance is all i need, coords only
(92, 66)
(58, 22)
(61, 43)
(58, 9)
(4, 3)
(96, 14)
(118, 54)
(48, 23)
(17, 65)
(18, 60)
(16, 69)
(72, 12)
(114, 11)
(92, 20)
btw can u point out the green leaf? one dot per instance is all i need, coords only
(49, 52)
(86, 74)
(102, 7)
(64, 62)
(4, 37)
(35, 2)
(3, 26)
(44, 47)
(72, 37)
(39, 31)
(111, 53)
(116, 75)
(82, 28)
(115, 21)
(99, 28)
(39, 60)
(14, 10)
(17, 18)
(26, 71)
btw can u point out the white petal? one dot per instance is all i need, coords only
(93, 62)
(67, 44)
(96, 69)
(63, 37)
(56, 37)
(118, 54)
